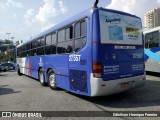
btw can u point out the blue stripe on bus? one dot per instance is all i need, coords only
(146, 57)
(155, 49)
(152, 55)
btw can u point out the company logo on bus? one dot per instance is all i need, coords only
(114, 20)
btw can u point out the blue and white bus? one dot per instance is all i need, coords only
(152, 49)
(97, 52)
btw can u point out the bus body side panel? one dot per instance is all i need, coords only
(96, 47)
(33, 64)
(28, 66)
(36, 62)
(59, 65)
(79, 71)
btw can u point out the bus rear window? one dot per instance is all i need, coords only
(117, 28)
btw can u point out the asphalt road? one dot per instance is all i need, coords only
(21, 93)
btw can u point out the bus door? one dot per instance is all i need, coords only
(79, 60)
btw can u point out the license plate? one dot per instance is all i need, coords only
(124, 85)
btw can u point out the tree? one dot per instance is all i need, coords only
(19, 42)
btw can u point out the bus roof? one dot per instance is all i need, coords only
(79, 16)
(152, 30)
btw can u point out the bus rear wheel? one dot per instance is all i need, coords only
(52, 80)
(41, 77)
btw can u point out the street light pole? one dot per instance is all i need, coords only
(8, 46)
(8, 35)
(13, 49)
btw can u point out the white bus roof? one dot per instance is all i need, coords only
(152, 30)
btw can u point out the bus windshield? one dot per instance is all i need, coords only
(117, 28)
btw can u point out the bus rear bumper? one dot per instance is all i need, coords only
(101, 88)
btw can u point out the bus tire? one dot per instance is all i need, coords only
(18, 71)
(41, 77)
(52, 80)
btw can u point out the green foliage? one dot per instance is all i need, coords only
(7, 57)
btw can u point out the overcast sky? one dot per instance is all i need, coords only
(25, 18)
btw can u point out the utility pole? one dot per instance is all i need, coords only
(13, 49)
(8, 35)
(8, 45)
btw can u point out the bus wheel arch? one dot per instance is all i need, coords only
(18, 70)
(52, 79)
(41, 76)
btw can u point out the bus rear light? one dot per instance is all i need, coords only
(103, 85)
(97, 66)
(97, 69)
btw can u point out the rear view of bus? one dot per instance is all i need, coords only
(118, 52)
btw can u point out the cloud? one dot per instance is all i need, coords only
(14, 3)
(41, 19)
(63, 9)
(29, 13)
(136, 7)
(11, 3)
(50, 9)
(46, 11)
(14, 15)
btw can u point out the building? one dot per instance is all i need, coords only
(152, 19)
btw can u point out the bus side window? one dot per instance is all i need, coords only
(34, 44)
(61, 47)
(54, 41)
(24, 54)
(79, 43)
(69, 47)
(48, 47)
(54, 49)
(40, 51)
(61, 39)
(61, 35)
(83, 29)
(43, 42)
(33, 52)
(69, 33)
(69, 39)
(65, 46)
(28, 47)
(33, 48)
(39, 43)
(80, 35)
(28, 53)
(48, 50)
(77, 30)
(24, 51)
